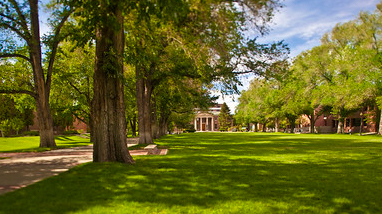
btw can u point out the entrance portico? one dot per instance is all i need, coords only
(205, 122)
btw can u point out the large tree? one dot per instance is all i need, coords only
(21, 20)
(209, 34)
(108, 109)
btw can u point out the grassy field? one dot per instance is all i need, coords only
(30, 144)
(221, 173)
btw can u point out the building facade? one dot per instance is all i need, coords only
(208, 121)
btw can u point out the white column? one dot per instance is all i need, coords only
(213, 124)
(207, 124)
(195, 124)
(201, 121)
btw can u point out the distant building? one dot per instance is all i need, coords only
(208, 120)
(328, 123)
(77, 125)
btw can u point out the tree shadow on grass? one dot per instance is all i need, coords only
(211, 177)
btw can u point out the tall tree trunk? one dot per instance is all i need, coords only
(312, 123)
(108, 108)
(277, 125)
(143, 90)
(133, 125)
(45, 122)
(42, 86)
(163, 125)
(340, 127)
(256, 128)
(154, 120)
(292, 125)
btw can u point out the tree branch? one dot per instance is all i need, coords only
(21, 15)
(75, 88)
(56, 41)
(15, 55)
(34, 95)
(10, 18)
(6, 25)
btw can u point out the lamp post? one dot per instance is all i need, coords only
(360, 128)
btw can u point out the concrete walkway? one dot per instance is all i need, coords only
(21, 169)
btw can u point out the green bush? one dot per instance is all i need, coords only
(31, 133)
(70, 132)
(192, 130)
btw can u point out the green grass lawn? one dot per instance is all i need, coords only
(31, 144)
(221, 173)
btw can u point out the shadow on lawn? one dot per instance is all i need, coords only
(213, 172)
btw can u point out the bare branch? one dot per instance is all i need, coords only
(75, 88)
(21, 16)
(34, 95)
(56, 41)
(15, 55)
(17, 31)
(10, 18)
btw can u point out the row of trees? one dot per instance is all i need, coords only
(172, 51)
(341, 76)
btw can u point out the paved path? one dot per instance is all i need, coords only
(21, 169)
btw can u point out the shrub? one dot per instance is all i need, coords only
(31, 133)
(70, 132)
(191, 130)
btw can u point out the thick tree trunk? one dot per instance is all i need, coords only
(340, 127)
(42, 86)
(133, 125)
(292, 125)
(108, 108)
(256, 129)
(154, 120)
(163, 125)
(45, 122)
(277, 125)
(312, 123)
(143, 90)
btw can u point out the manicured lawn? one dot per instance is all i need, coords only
(30, 144)
(221, 173)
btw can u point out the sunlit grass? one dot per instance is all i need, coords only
(31, 144)
(221, 173)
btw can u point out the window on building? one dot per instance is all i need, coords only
(334, 123)
(356, 121)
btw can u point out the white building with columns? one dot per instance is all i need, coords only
(205, 121)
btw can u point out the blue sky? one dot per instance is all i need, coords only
(302, 23)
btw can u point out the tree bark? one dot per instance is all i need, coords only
(292, 125)
(312, 123)
(108, 108)
(143, 91)
(277, 125)
(42, 87)
(163, 125)
(154, 120)
(340, 127)
(45, 122)
(133, 126)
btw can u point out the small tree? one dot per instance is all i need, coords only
(225, 118)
